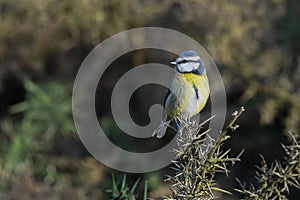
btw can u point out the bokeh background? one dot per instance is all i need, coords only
(255, 44)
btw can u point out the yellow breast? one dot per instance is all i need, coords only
(189, 95)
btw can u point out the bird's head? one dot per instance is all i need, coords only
(189, 61)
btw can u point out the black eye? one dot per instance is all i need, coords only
(183, 61)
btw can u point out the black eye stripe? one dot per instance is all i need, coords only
(186, 61)
(183, 61)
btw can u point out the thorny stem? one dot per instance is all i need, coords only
(230, 126)
(195, 174)
(274, 181)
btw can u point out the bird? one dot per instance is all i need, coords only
(188, 91)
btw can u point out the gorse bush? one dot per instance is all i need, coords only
(198, 162)
(200, 159)
(274, 181)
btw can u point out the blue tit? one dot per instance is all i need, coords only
(188, 91)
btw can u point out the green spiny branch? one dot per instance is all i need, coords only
(196, 167)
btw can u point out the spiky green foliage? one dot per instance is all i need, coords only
(274, 181)
(198, 162)
(46, 115)
(124, 192)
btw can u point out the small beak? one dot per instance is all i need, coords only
(173, 63)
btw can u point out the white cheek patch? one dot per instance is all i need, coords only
(187, 67)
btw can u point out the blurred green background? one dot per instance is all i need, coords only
(255, 44)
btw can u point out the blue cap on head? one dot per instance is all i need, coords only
(188, 53)
(189, 61)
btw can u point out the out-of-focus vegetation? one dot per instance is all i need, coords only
(46, 118)
(256, 45)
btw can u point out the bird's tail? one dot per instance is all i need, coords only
(160, 131)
